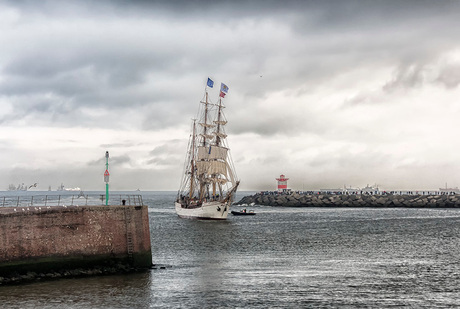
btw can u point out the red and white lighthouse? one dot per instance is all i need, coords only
(282, 183)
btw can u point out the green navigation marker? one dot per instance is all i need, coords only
(106, 178)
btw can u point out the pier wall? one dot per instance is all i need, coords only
(352, 200)
(43, 239)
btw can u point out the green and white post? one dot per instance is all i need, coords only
(106, 178)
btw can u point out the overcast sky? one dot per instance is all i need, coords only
(329, 93)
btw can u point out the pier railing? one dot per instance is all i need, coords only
(70, 200)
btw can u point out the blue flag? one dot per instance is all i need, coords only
(210, 83)
(223, 88)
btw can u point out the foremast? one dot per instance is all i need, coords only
(192, 160)
(206, 139)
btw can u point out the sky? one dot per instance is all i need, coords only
(328, 93)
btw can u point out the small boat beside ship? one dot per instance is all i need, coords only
(243, 212)
(209, 181)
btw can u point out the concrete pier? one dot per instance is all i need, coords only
(38, 241)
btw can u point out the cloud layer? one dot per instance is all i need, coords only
(329, 93)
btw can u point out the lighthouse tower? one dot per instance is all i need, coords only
(282, 183)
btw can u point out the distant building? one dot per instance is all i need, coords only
(370, 190)
(350, 190)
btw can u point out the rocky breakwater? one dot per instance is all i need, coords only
(355, 200)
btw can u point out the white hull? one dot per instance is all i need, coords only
(209, 210)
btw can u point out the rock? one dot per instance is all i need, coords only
(265, 200)
(292, 203)
(282, 199)
(380, 201)
(296, 196)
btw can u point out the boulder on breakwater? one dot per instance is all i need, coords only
(294, 199)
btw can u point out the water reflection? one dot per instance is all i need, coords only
(116, 291)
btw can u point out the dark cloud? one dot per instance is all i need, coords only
(405, 78)
(266, 124)
(172, 162)
(119, 160)
(164, 149)
(41, 111)
(113, 160)
(449, 77)
(169, 155)
(93, 62)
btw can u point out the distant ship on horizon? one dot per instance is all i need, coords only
(446, 189)
(62, 188)
(21, 187)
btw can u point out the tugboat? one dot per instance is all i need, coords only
(209, 181)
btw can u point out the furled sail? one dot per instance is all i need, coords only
(221, 135)
(207, 125)
(208, 136)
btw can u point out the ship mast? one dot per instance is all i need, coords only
(205, 125)
(218, 142)
(205, 119)
(192, 161)
(219, 116)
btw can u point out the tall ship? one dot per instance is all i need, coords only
(209, 181)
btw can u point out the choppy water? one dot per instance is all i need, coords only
(282, 257)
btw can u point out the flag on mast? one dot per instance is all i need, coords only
(210, 83)
(222, 94)
(223, 87)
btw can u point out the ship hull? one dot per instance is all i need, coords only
(208, 211)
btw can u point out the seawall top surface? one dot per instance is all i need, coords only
(53, 209)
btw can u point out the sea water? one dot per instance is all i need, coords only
(279, 258)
